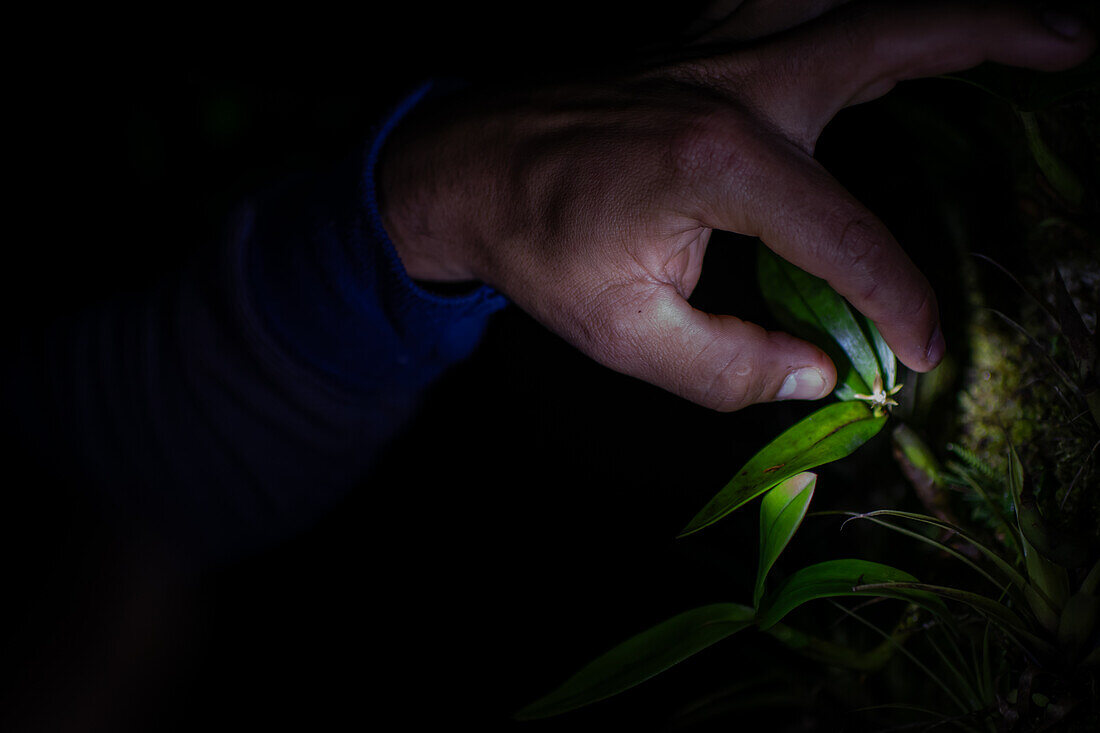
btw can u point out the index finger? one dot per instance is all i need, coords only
(778, 193)
(860, 51)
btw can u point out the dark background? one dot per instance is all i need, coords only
(522, 524)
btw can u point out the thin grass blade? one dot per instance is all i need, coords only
(1000, 585)
(996, 612)
(1002, 565)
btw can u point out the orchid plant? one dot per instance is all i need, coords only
(1040, 602)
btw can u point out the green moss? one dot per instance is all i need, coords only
(1021, 388)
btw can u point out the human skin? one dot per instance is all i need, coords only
(590, 203)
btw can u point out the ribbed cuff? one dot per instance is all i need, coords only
(408, 295)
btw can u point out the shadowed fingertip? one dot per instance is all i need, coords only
(936, 347)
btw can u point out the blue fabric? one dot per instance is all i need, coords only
(347, 304)
(233, 405)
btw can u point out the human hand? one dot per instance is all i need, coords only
(590, 204)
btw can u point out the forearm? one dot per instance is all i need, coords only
(235, 403)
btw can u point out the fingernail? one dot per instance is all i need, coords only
(934, 351)
(1065, 25)
(803, 384)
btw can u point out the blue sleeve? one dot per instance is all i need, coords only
(234, 404)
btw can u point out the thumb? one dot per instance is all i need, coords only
(717, 361)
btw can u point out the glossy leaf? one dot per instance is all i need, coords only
(836, 318)
(827, 435)
(887, 361)
(643, 656)
(781, 512)
(832, 578)
(795, 315)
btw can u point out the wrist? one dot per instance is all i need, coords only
(413, 201)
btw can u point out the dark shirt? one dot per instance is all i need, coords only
(233, 404)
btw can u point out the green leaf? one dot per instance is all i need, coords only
(827, 435)
(1078, 620)
(1009, 572)
(1048, 577)
(872, 517)
(781, 512)
(829, 579)
(1082, 612)
(888, 363)
(1061, 176)
(991, 609)
(814, 303)
(835, 316)
(1020, 590)
(790, 307)
(918, 456)
(643, 656)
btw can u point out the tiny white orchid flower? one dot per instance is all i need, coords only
(880, 398)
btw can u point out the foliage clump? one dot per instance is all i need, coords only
(1025, 384)
(1001, 630)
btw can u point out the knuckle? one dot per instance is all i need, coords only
(730, 388)
(706, 73)
(704, 146)
(693, 146)
(923, 307)
(738, 381)
(858, 246)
